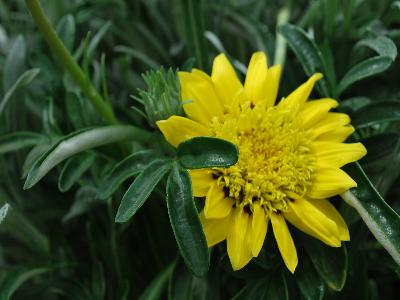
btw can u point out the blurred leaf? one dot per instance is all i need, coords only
(129, 167)
(382, 45)
(77, 142)
(367, 68)
(207, 152)
(66, 31)
(95, 41)
(351, 105)
(306, 51)
(185, 222)
(4, 211)
(180, 285)
(141, 189)
(193, 27)
(253, 291)
(140, 56)
(330, 263)
(155, 289)
(15, 63)
(21, 82)
(380, 218)
(18, 140)
(376, 113)
(75, 111)
(16, 278)
(310, 284)
(277, 287)
(84, 198)
(73, 169)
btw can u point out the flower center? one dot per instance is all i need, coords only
(275, 161)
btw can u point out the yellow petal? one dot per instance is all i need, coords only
(239, 251)
(330, 211)
(272, 85)
(217, 204)
(256, 77)
(298, 97)
(178, 129)
(314, 111)
(284, 241)
(226, 82)
(328, 182)
(200, 102)
(215, 230)
(330, 154)
(331, 121)
(201, 181)
(339, 134)
(307, 217)
(259, 228)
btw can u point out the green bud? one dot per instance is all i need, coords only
(162, 97)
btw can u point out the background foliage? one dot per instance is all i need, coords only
(59, 240)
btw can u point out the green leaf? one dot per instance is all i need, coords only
(376, 113)
(367, 68)
(207, 152)
(306, 51)
(330, 263)
(73, 169)
(380, 218)
(16, 278)
(141, 189)
(382, 45)
(310, 284)
(66, 31)
(253, 291)
(18, 140)
(185, 222)
(15, 63)
(21, 82)
(155, 288)
(77, 142)
(130, 166)
(4, 211)
(95, 41)
(180, 283)
(85, 197)
(277, 288)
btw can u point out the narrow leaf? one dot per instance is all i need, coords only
(155, 288)
(380, 218)
(18, 140)
(254, 290)
(382, 45)
(185, 222)
(73, 169)
(180, 283)
(16, 278)
(77, 142)
(310, 284)
(376, 113)
(141, 189)
(277, 288)
(15, 63)
(367, 68)
(21, 82)
(130, 166)
(206, 152)
(4, 211)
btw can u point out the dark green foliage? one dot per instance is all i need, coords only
(66, 245)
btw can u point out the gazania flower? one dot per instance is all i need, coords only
(290, 155)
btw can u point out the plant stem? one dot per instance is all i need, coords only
(61, 52)
(280, 48)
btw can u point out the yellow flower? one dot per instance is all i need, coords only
(290, 155)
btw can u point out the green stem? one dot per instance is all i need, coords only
(57, 46)
(280, 48)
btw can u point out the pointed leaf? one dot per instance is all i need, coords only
(206, 152)
(77, 142)
(141, 189)
(155, 288)
(4, 211)
(382, 45)
(18, 140)
(380, 218)
(185, 221)
(309, 282)
(367, 68)
(130, 166)
(376, 113)
(15, 62)
(73, 169)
